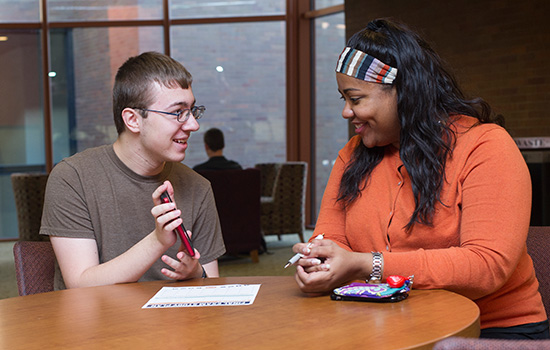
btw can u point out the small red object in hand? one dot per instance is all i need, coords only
(395, 281)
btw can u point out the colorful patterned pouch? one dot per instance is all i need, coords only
(396, 289)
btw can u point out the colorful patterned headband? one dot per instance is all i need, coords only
(359, 65)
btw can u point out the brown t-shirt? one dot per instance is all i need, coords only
(94, 195)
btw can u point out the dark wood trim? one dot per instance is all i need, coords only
(20, 25)
(166, 27)
(99, 24)
(299, 129)
(305, 112)
(298, 82)
(291, 80)
(45, 41)
(229, 19)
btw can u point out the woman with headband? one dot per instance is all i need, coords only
(429, 186)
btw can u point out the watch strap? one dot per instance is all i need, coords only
(377, 266)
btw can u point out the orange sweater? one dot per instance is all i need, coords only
(476, 246)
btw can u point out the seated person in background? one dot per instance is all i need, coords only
(102, 207)
(430, 186)
(213, 145)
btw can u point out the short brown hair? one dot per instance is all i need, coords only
(135, 77)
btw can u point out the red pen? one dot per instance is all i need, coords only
(180, 230)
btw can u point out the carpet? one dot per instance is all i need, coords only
(271, 263)
(8, 283)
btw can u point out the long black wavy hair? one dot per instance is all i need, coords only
(428, 95)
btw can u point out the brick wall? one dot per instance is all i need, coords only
(498, 49)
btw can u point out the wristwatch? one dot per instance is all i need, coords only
(377, 265)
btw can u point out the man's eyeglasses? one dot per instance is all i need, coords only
(183, 114)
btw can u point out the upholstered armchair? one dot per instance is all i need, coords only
(268, 173)
(34, 267)
(28, 191)
(237, 195)
(283, 198)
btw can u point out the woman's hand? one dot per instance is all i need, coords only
(326, 265)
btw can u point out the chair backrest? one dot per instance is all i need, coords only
(237, 195)
(34, 267)
(538, 247)
(284, 211)
(268, 172)
(290, 187)
(458, 343)
(28, 191)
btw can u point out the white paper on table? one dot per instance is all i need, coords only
(216, 295)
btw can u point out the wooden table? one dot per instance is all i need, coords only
(282, 317)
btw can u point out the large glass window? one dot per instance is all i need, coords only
(228, 8)
(19, 11)
(84, 64)
(103, 10)
(239, 75)
(331, 130)
(21, 116)
(239, 70)
(320, 4)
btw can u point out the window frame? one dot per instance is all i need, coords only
(300, 97)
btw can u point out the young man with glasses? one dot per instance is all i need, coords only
(102, 208)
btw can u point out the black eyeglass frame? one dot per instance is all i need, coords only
(196, 111)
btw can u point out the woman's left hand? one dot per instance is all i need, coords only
(326, 265)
